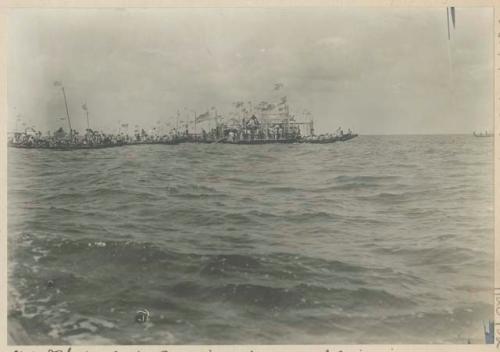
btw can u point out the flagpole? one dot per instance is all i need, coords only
(177, 122)
(88, 124)
(195, 125)
(216, 125)
(67, 112)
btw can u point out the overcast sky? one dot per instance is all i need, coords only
(377, 71)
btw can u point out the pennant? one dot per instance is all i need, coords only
(278, 86)
(203, 117)
(268, 107)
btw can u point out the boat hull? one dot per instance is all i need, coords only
(174, 142)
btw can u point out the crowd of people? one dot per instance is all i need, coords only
(90, 139)
(253, 130)
(247, 131)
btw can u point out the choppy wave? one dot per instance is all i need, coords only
(356, 242)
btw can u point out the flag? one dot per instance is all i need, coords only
(124, 125)
(282, 101)
(57, 84)
(203, 117)
(278, 86)
(265, 106)
(84, 106)
(62, 118)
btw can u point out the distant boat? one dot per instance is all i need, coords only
(483, 134)
(329, 138)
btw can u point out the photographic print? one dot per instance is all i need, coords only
(250, 175)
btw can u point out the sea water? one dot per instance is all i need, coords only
(381, 239)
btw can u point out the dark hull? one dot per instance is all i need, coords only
(81, 146)
(347, 137)
(249, 142)
(331, 140)
(263, 141)
(322, 141)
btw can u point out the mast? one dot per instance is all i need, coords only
(177, 122)
(195, 125)
(287, 121)
(312, 126)
(216, 124)
(67, 112)
(84, 107)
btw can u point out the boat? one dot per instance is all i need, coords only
(348, 136)
(329, 138)
(482, 134)
(67, 145)
(262, 141)
(274, 125)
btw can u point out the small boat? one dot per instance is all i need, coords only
(322, 140)
(346, 137)
(330, 139)
(483, 134)
(260, 141)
